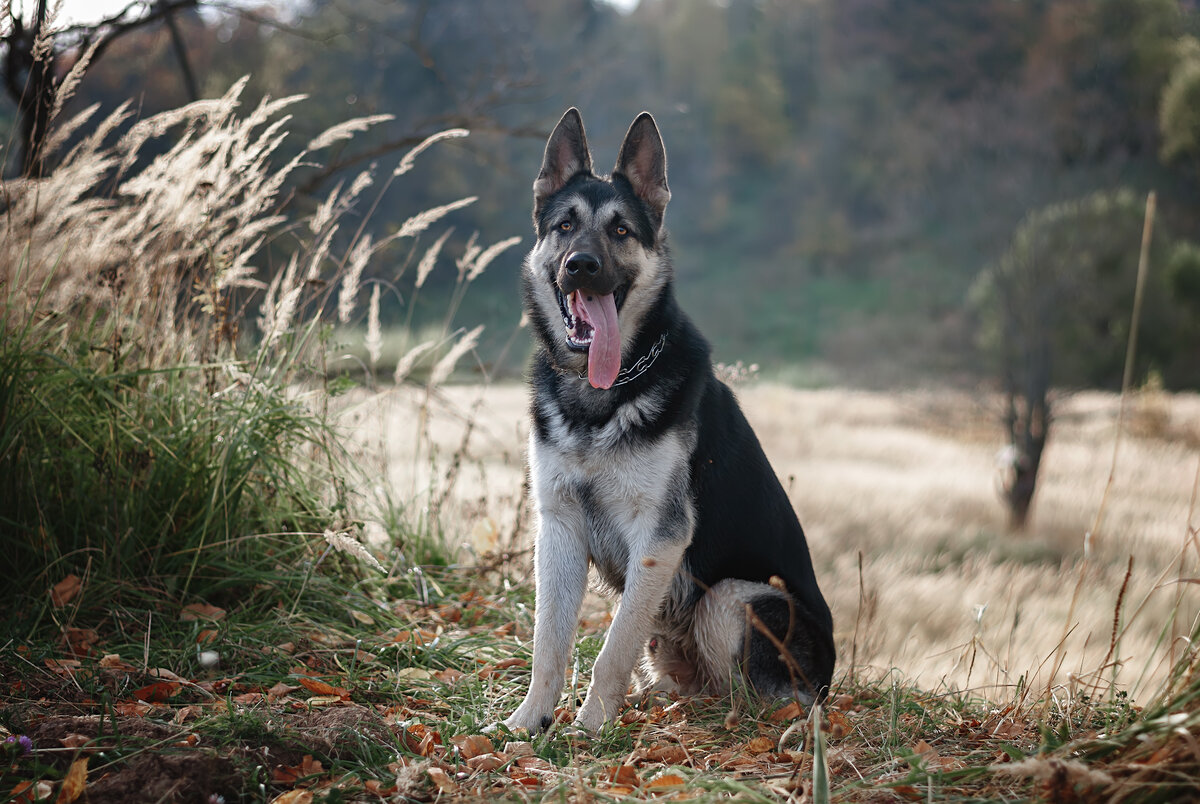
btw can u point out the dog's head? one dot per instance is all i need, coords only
(599, 264)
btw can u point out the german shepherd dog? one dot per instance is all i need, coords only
(642, 464)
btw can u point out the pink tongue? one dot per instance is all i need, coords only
(604, 354)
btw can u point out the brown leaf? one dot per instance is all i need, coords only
(201, 611)
(760, 745)
(473, 745)
(158, 692)
(113, 661)
(518, 749)
(63, 591)
(504, 664)
(63, 667)
(280, 690)
(442, 780)
(667, 753)
(665, 783)
(293, 797)
(623, 774)
(485, 762)
(448, 675)
(75, 740)
(132, 708)
(534, 764)
(283, 774)
(206, 636)
(844, 702)
(321, 688)
(789, 712)
(79, 641)
(74, 783)
(839, 725)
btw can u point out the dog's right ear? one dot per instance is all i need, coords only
(566, 155)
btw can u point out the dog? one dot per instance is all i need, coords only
(642, 465)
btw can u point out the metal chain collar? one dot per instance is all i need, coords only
(643, 364)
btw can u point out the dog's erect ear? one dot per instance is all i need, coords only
(566, 155)
(643, 160)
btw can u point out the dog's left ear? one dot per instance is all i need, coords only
(643, 161)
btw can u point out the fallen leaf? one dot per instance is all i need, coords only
(74, 782)
(283, 774)
(472, 745)
(485, 762)
(158, 692)
(207, 635)
(839, 724)
(667, 753)
(293, 797)
(534, 764)
(760, 745)
(322, 688)
(279, 690)
(665, 783)
(789, 712)
(449, 675)
(75, 740)
(112, 661)
(518, 749)
(442, 780)
(66, 589)
(164, 673)
(623, 775)
(63, 667)
(377, 788)
(79, 641)
(132, 708)
(201, 611)
(504, 664)
(844, 702)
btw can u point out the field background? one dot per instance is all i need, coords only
(949, 599)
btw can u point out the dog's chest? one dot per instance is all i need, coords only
(621, 487)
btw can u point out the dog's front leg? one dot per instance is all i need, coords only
(647, 581)
(560, 575)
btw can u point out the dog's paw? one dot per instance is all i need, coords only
(533, 723)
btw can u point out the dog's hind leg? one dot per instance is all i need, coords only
(764, 633)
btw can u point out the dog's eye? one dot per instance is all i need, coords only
(622, 231)
(565, 226)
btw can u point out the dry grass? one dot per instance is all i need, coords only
(949, 598)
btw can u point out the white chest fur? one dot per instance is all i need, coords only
(614, 482)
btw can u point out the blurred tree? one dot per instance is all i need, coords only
(33, 49)
(1054, 311)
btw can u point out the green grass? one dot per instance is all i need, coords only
(418, 671)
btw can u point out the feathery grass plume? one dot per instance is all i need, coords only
(429, 259)
(470, 252)
(423, 220)
(357, 261)
(445, 367)
(343, 541)
(487, 255)
(345, 130)
(361, 182)
(324, 212)
(61, 134)
(410, 158)
(406, 364)
(279, 286)
(319, 253)
(374, 339)
(70, 82)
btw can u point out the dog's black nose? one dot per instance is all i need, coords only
(582, 262)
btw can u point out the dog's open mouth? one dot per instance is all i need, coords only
(592, 327)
